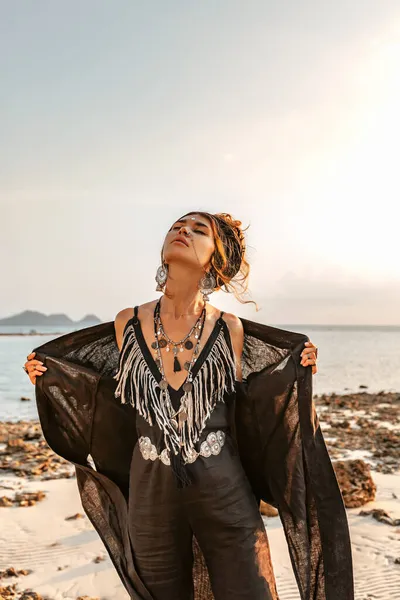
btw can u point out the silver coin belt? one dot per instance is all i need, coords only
(212, 445)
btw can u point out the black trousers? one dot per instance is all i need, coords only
(219, 508)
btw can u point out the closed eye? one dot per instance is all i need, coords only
(196, 231)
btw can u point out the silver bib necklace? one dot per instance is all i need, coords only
(177, 418)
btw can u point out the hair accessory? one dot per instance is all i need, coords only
(161, 277)
(207, 285)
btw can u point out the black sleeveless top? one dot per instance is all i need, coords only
(214, 388)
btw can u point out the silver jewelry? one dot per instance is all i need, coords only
(208, 384)
(161, 277)
(211, 446)
(147, 449)
(164, 341)
(177, 418)
(206, 285)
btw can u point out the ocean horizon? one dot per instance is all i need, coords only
(349, 356)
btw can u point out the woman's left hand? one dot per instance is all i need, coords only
(309, 356)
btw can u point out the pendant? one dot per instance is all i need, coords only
(163, 384)
(154, 345)
(187, 386)
(188, 345)
(183, 416)
(181, 349)
(162, 343)
(177, 365)
(187, 365)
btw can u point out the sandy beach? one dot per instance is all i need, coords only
(49, 549)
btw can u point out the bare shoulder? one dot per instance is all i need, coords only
(147, 308)
(236, 331)
(124, 315)
(120, 321)
(122, 318)
(235, 326)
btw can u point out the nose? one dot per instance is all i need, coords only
(184, 230)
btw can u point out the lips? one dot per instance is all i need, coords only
(181, 240)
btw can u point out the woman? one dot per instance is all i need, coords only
(180, 368)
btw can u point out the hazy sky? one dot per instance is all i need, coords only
(118, 116)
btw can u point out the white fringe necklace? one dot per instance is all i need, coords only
(138, 386)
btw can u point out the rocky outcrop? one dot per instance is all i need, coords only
(355, 482)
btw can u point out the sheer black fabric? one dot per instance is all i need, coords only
(274, 424)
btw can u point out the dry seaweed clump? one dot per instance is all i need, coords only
(11, 572)
(22, 499)
(362, 421)
(355, 482)
(27, 454)
(381, 515)
(10, 592)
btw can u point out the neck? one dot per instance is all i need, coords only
(182, 286)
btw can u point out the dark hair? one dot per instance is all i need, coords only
(229, 264)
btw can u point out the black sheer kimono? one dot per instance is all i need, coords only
(275, 426)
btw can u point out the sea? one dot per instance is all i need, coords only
(348, 357)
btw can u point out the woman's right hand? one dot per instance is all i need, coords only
(35, 367)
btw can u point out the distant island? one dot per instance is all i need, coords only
(31, 318)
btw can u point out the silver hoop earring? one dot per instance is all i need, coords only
(207, 285)
(161, 277)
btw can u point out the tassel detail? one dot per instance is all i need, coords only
(177, 365)
(182, 475)
(138, 386)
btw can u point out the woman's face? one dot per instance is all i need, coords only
(196, 231)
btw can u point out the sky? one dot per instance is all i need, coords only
(118, 117)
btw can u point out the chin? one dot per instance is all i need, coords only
(179, 258)
(177, 250)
